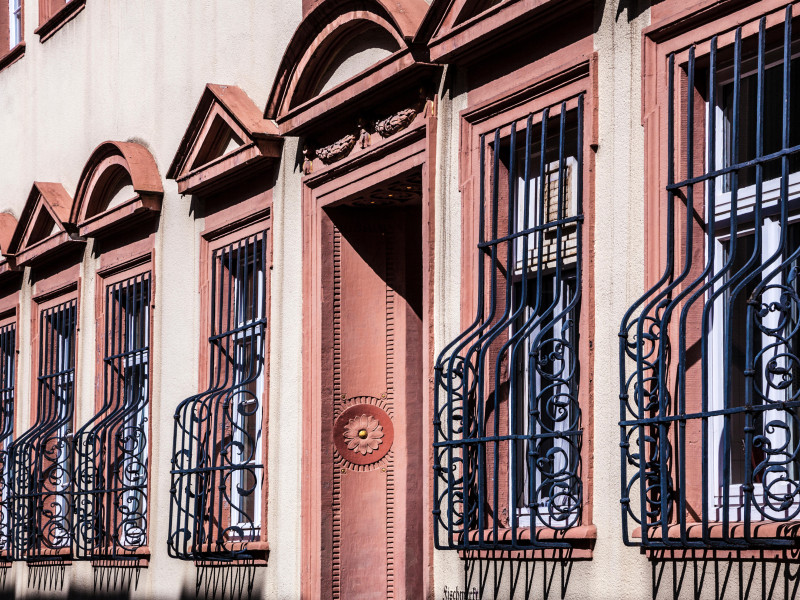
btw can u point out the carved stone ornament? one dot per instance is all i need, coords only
(363, 135)
(308, 164)
(397, 122)
(337, 150)
(363, 434)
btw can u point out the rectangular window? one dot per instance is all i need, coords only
(41, 458)
(715, 341)
(15, 22)
(112, 448)
(508, 431)
(219, 448)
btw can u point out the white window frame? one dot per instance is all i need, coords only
(240, 373)
(141, 417)
(14, 23)
(522, 508)
(770, 231)
(65, 381)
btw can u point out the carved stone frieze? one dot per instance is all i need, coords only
(397, 122)
(338, 150)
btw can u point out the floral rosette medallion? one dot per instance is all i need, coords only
(363, 434)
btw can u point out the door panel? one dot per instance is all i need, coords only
(375, 366)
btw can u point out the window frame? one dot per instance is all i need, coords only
(574, 78)
(41, 304)
(211, 243)
(111, 274)
(9, 54)
(661, 40)
(216, 237)
(8, 318)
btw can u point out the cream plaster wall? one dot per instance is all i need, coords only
(135, 71)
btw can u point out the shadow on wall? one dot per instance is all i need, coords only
(46, 577)
(725, 579)
(228, 581)
(114, 581)
(497, 576)
(633, 8)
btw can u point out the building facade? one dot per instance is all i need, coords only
(399, 299)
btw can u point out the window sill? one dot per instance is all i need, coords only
(135, 559)
(51, 556)
(12, 56)
(768, 530)
(128, 213)
(581, 539)
(47, 29)
(258, 550)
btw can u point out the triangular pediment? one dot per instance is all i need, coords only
(43, 225)
(445, 15)
(219, 136)
(8, 224)
(456, 30)
(226, 125)
(44, 217)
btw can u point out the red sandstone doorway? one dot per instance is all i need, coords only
(372, 508)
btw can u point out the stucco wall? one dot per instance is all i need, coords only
(135, 70)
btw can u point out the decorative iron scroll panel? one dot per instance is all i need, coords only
(508, 428)
(111, 449)
(41, 459)
(217, 469)
(709, 367)
(8, 350)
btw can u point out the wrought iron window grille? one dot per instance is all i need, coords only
(111, 449)
(709, 367)
(507, 427)
(8, 345)
(217, 466)
(41, 459)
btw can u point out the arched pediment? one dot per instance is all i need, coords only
(336, 47)
(44, 227)
(120, 180)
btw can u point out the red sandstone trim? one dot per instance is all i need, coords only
(50, 23)
(412, 149)
(582, 539)
(112, 164)
(12, 56)
(52, 199)
(478, 34)
(221, 107)
(293, 101)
